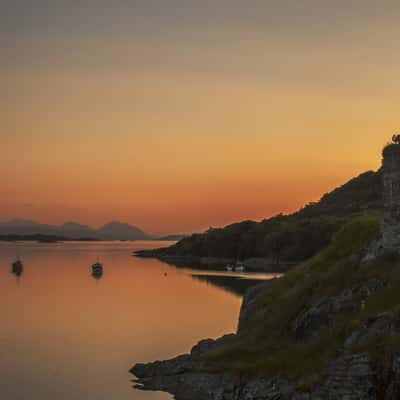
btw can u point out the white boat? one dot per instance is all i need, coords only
(239, 267)
(229, 267)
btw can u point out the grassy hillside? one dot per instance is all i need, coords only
(335, 293)
(294, 237)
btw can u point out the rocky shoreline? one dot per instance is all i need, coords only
(350, 375)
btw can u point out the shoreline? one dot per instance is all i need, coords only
(217, 263)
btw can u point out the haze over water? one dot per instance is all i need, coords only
(66, 336)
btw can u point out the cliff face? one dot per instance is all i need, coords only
(391, 197)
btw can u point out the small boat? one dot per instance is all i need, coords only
(229, 267)
(239, 267)
(97, 269)
(17, 267)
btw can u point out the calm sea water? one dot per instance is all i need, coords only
(66, 336)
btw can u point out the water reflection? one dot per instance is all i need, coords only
(64, 337)
(234, 285)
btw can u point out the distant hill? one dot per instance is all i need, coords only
(72, 230)
(284, 238)
(40, 238)
(75, 230)
(27, 227)
(120, 231)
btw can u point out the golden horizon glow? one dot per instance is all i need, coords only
(173, 127)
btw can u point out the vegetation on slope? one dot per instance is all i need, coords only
(267, 346)
(287, 238)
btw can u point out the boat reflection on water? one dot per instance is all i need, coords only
(17, 268)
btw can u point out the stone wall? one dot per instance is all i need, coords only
(391, 197)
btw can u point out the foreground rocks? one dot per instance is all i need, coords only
(352, 375)
(349, 376)
(187, 378)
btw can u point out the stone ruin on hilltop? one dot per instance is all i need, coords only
(390, 227)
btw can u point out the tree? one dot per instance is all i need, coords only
(396, 139)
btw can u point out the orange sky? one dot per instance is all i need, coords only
(180, 118)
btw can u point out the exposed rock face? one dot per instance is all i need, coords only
(391, 198)
(250, 309)
(350, 377)
(318, 315)
(324, 312)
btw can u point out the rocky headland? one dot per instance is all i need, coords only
(327, 330)
(279, 243)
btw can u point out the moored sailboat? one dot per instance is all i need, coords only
(97, 269)
(17, 267)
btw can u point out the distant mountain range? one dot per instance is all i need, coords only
(113, 231)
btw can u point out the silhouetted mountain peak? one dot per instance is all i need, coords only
(75, 225)
(116, 230)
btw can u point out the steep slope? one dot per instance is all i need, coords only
(72, 230)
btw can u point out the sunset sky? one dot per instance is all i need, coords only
(177, 115)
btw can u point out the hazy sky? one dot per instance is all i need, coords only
(177, 115)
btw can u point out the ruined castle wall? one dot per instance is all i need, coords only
(391, 198)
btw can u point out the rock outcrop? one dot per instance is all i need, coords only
(324, 312)
(350, 376)
(186, 376)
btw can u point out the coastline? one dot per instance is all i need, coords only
(215, 263)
